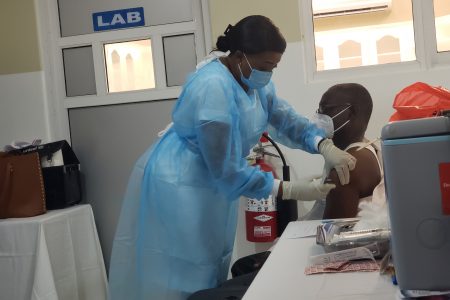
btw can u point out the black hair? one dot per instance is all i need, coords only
(353, 93)
(252, 35)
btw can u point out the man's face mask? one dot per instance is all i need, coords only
(326, 122)
(257, 78)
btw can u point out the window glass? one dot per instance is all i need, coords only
(129, 66)
(354, 33)
(442, 23)
(79, 71)
(180, 58)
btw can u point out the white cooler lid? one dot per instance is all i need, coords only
(416, 128)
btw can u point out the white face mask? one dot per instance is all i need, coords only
(326, 122)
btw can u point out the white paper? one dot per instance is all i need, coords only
(301, 229)
(20, 144)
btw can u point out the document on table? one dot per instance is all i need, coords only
(301, 229)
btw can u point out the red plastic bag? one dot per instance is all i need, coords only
(420, 100)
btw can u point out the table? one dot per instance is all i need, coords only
(282, 276)
(52, 256)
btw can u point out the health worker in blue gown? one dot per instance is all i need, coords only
(178, 221)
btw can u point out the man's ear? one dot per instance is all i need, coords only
(239, 55)
(354, 114)
(355, 110)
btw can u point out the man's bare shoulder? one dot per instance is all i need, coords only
(367, 170)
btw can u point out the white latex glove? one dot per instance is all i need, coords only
(306, 190)
(335, 158)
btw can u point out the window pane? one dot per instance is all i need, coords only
(180, 58)
(79, 71)
(442, 23)
(354, 33)
(129, 66)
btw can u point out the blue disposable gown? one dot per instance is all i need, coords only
(178, 221)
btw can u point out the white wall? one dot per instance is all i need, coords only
(23, 114)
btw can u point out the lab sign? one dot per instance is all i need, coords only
(115, 19)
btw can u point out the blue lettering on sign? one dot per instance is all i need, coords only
(114, 19)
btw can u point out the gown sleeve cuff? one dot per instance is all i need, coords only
(317, 141)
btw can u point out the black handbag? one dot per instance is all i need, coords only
(61, 173)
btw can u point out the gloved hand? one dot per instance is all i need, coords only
(335, 158)
(306, 190)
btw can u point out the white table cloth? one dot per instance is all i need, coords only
(282, 277)
(53, 256)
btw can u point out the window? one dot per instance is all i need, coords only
(180, 58)
(79, 71)
(129, 66)
(442, 23)
(354, 33)
(97, 62)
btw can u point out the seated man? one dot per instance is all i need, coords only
(349, 106)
